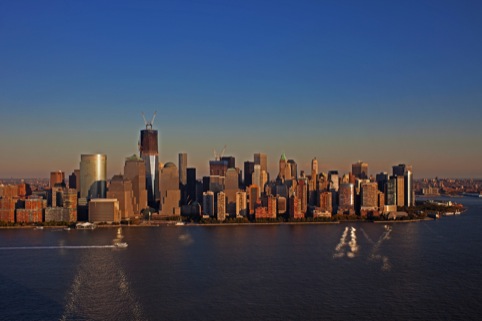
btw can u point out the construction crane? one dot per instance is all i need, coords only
(220, 155)
(149, 124)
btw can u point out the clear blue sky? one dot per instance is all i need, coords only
(380, 81)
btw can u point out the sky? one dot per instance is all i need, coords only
(385, 82)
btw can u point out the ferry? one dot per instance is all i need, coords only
(85, 226)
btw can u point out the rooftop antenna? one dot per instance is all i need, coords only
(149, 124)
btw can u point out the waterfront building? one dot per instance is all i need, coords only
(135, 171)
(369, 195)
(400, 185)
(69, 202)
(391, 191)
(121, 189)
(169, 191)
(58, 214)
(408, 193)
(93, 169)
(241, 205)
(221, 206)
(360, 170)
(326, 201)
(208, 203)
(104, 210)
(149, 152)
(295, 208)
(7, 209)
(32, 213)
(272, 206)
(346, 202)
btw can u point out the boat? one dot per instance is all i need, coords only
(39, 228)
(85, 226)
(121, 245)
(66, 228)
(180, 223)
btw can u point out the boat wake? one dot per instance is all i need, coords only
(352, 245)
(55, 247)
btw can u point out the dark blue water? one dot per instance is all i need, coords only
(364, 271)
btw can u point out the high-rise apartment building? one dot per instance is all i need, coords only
(208, 203)
(241, 205)
(93, 170)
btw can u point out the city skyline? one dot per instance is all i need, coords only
(341, 82)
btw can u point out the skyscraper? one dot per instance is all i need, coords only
(149, 153)
(360, 170)
(262, 160)
(57, 177)
(406, 172)
(135, 171)
(183, 177)
(169, 191)
(93, 169)
(294, 168)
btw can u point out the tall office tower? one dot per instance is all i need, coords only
(149, 152)
(391, 193)
(333, 180)
(262, 160)
(121, 189)
(325, 202)
(183, 177)
(191, 186)
(74, 180)
(323, 182)
(248, 173)
(346, 197)
(104, 210)
(281, 204)
(57, 177)
(183, 168)
(218, 167)
(169, 191)
(314, 168)
(231, 187)
(400, 190)
(230, 160)
(135, 171)
(360, 170)
(241, 209)
(93, 169)
(407, 173)
(293, 168)
(257, 178)
(302, 194)
(369, 195)
(253, 198)
(263, 179)
(382, 179)
(283, 164)
(208, 203)
(221, 207)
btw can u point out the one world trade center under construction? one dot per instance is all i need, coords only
(149, 152)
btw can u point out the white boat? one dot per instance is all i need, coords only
(121, 244)
(85, 226)
(66, 228)
(180, 223)
(39, 228)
